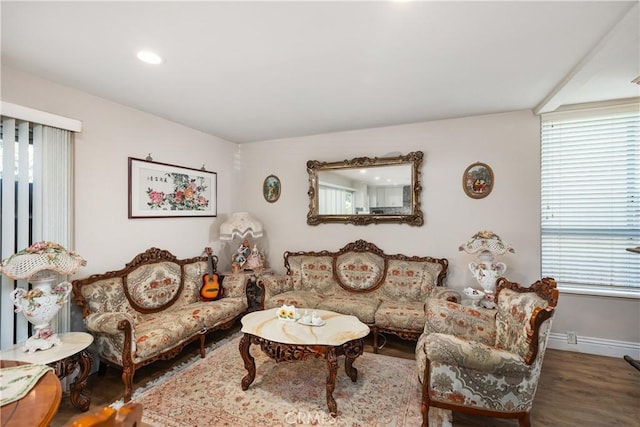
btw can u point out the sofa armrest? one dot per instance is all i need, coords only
(108, 323)
(448, 294)
(451, 350)
(235, 285)
(275, 284)
(455, 319)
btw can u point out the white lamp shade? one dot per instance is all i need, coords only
(41, 256)
(241, 225)
(486, 241)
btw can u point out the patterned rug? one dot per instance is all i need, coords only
(207, 392)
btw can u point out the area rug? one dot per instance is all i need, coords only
(207, 392)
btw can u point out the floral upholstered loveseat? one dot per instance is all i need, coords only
(387, 292)
(152, 308)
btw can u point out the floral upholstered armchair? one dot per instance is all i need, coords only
(484, 361)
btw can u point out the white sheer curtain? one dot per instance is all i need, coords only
(36, 159)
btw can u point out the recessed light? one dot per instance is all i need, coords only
(149, 57)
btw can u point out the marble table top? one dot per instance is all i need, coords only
(337, 329)
(71, 343)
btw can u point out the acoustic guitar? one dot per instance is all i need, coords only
(211, 289)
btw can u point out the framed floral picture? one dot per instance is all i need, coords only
(271, 188)
(159, 190)
(477, 180)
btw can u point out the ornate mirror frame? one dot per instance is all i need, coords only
(414, 217)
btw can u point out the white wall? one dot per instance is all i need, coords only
(111, 133)
(508, 142)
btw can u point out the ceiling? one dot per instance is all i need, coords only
(254, 71)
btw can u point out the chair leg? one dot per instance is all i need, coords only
(127, 379)
(525, 420)
(375, 340)
(102, 368)
(202, 340)
(425, 401)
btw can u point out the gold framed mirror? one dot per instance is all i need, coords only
(366, 190)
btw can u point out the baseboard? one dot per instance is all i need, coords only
(599, 346)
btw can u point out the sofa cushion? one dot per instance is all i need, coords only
(362, 306)
(514, 310)
(408, 316)
(234, 285)
(154, 285)
(212, 313)
(359, 271)
(192, 283)
(316, 274)
(409, 280)
(300, 299)
(158, 332)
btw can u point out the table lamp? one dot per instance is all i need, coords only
(485, 269)
(41, 263)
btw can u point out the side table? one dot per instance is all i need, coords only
(64, 358)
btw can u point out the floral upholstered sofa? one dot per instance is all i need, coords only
(152, 308)
(387, 292)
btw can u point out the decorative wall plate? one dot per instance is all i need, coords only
(477, 180)
(271, 188)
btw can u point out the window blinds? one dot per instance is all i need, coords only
(590, 200)
(36, 172)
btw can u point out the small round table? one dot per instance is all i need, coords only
(38, 407)
(64, 358)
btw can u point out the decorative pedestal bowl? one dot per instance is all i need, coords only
(39, 307)
(474, 295)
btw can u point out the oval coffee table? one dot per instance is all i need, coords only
(341, 335)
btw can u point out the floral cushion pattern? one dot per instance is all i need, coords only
(466, 322)
(362, 306)
(299, 299)
(408, 316)
(359, 270)
(512, 326)
(108, 296)
(409, 280)
(276, 284)
(153, 286)
(193, 280)
(316, 274)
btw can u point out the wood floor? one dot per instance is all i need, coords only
(575, 389)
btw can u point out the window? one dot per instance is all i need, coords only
(335, 200)
(36, 202)
(590, 200)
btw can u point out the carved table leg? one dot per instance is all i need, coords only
(349, 369)
(332, 364)
(65, 367)
(78, 398)
(351, 351)
(249, 361)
